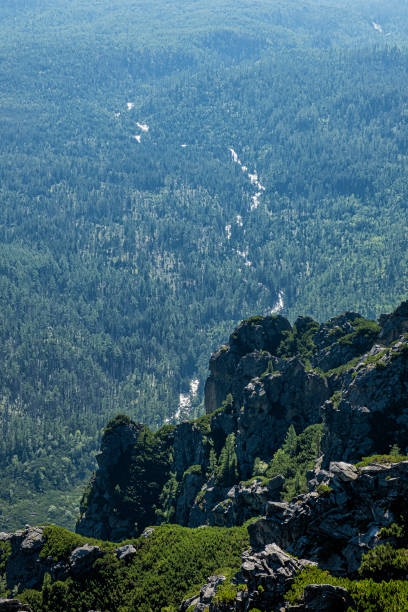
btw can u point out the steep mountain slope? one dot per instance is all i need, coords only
(262, 476)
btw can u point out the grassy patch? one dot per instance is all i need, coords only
(381, 459)
(324, 490)
(343, 368)
(59, 543)
(385, 561)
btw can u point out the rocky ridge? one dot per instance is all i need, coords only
(310, 399)
(269, 376)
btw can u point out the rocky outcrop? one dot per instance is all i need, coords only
(268, 377)
(341, 339)
(264, 579)
(268, 575)
(332, 527)
(24, 565)
(289, 396)
(203, 601)
(244, 501)
(339, 520)
(371, 414)
(393, 325)
(121, 497)
(257, 333)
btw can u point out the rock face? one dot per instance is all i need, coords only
(120, 499)
(394, 325)
(268, 574)
(339, 520)
(245, 501)
(258, 333)
(24, 565)
(269, 376)
(372, 412)
(265, 575)
(291, 396)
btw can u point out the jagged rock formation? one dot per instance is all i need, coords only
(227, 370)
(371, 413)
(269, 376)
(272, 391)
(339, 520)
(133, 467)
(349, 373)
(332, 527)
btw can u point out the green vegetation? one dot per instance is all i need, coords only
(118, 276)
(172, 563)
(226, 593)
(300, 340)
(336, 398)
(5, 550)
(203, 423)
(385, 561)
(369, 596)
(59, 543)
(345, 367)
(375, 359)
(324, 490)
(363, 328)
(391, 458)
(193, 469)
(254, 319)
(296, 456)
(227, 469)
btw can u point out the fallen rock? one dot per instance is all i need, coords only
(126, 552)
(83, 557)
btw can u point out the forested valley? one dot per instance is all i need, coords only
(167, 170)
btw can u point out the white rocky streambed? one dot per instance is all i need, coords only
(253, 177)
(255, 201)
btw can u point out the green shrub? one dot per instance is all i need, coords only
(365, 328)
(225, 593)
(172, 563)
(324, 490)
(254, 320)
(369, 596)
(193, 469)
(385, 562)
(5, 550)
(59, 543)
(296, 457)
(298, 342)
(336, 398)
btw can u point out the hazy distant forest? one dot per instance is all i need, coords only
(168, 169)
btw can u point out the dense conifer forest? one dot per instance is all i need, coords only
(167, 170)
